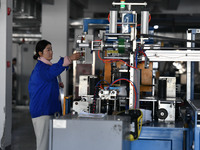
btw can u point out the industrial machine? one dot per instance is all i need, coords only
(127, 86)
(120, 49)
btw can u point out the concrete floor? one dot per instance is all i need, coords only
(23, 137)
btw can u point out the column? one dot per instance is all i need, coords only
(54, 28)
(6, 73)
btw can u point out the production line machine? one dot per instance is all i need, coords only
(121, 49)
(109, 110)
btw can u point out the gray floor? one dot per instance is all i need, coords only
(23, 137)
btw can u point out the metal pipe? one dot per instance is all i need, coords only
(113, 22)
(131, 4)
(117, 34)
(144, 22)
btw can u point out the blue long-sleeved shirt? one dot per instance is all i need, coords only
(44, 89)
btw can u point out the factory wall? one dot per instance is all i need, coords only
(25, 64)
(54, 28)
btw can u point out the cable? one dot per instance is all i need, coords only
(109, 17)
(140, 127)
(143, 53)
(138, 123)
(111, 60)
(149, 21)
(132, 83)
(94, 100)
(136, 59)
(100, 82)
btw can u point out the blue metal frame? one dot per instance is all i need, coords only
(194, 127)
(158, 137)
(86, 22)
(193, 32)
(196, 133)
(192, 66)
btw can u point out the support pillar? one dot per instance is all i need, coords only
(6, 73)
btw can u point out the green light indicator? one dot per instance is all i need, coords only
(122, 6)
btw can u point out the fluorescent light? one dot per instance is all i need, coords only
(156, 27)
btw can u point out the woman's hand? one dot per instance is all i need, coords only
(75, 56)
(61, 85)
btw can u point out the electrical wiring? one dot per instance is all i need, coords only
(139, 127)
(112, 60)
(132, 83)
(101, 81)
(139, 123)
(136, 59)
(105, 60)
(109, 17)
(149, 21)
(140, 50)
(100, 86)
(94, 101)
(143, 53)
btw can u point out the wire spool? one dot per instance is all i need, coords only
(121, 43)
(162, 113)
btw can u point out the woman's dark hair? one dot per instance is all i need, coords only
(40, 46)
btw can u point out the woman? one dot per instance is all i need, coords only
(44, 90)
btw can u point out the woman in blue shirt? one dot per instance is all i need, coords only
(44, 90)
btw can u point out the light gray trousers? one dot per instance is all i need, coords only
(41, 128)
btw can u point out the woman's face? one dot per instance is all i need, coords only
(47, 53)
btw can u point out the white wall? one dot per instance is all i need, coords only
(6, 74)
(54, 28)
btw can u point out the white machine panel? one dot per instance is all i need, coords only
(83, 85)
(171, 86)
(166, 110)
(80, 106)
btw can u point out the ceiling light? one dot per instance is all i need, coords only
(156, 27)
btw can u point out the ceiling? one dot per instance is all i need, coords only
(170, 15)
